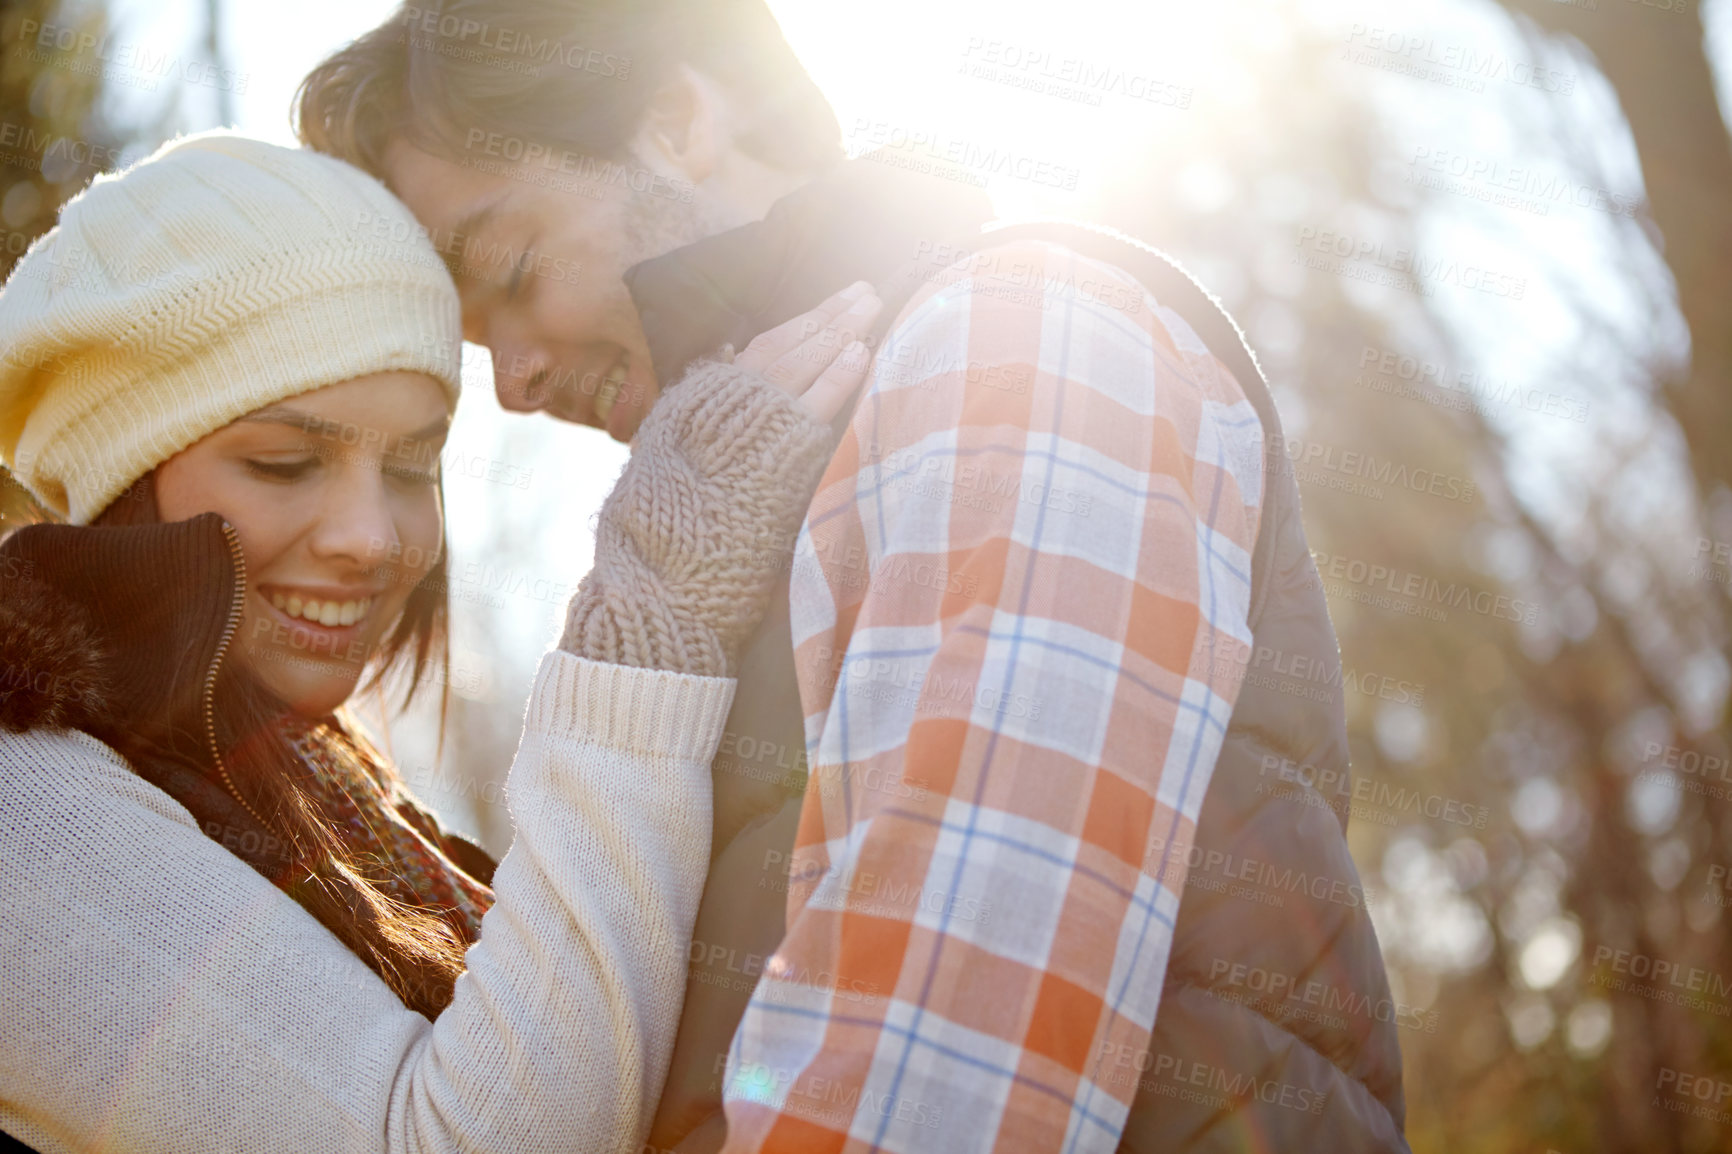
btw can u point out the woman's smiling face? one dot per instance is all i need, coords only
(335, 497)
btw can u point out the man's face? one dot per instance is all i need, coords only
(539, 254)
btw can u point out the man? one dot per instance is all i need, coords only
(1019, 620)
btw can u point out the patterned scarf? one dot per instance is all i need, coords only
(412, 856)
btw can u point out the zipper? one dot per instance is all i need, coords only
(236, 608)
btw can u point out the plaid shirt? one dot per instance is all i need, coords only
(1019, 610)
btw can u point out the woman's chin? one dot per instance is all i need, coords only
(309, 694)
(310, 685)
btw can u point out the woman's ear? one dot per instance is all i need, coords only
(686, 124)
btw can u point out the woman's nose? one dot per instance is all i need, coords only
(355, 523)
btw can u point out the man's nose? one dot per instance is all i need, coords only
(522, 382)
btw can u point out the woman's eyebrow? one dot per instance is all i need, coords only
(324, 427)
(283, 415)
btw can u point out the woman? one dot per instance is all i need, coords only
(228, 925)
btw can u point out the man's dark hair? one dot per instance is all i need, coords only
(573, 75)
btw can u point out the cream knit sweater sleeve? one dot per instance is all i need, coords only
(156, 994)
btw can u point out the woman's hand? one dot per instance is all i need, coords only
(700, 529)
(818, 357)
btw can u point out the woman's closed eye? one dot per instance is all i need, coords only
(282, 470)
(404, 474)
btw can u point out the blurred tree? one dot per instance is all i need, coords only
(1648, 670)
(1542, 720)
(50, 106)
(1655, 57)
(213, 41)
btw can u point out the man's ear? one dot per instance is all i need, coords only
(686, 124)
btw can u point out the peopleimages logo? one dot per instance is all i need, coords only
(1066, 77)
(1460, 65)
(893, 681)
(1214, 1087)
(1266, 882)
(1427, 593)
(1712, 562)
(131, 64)
(719, 959)
(1691, 986)
(508, 42)
(1302, 674)
(589, 171)
(835, 886)
(1699, 1095)
(994, 271)
(1405, 375)
(1312, 462)
(1511, 185)
(836, 1101)
(1285, 990)
(43, 147)
(1338, 786)
(1719, 885)
(1687, 761)
(968, 158)
(1421, 266)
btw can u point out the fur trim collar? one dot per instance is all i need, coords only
(51, 663)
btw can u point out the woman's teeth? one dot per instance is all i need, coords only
(331, 613)
(609, 391)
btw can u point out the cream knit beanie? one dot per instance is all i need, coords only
(218, 276)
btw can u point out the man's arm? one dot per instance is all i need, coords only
(1019, 613)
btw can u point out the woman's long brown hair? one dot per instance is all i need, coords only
(416, 952)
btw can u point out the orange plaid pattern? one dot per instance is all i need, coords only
(1019, 607)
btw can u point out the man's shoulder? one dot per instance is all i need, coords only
(1021, 274)
(1004, 289)
(1004, 330)
(1023, 280)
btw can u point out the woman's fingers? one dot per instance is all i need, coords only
(838, 382)
(795, 371)
(771, 347)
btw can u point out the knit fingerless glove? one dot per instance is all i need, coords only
(724, 463)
